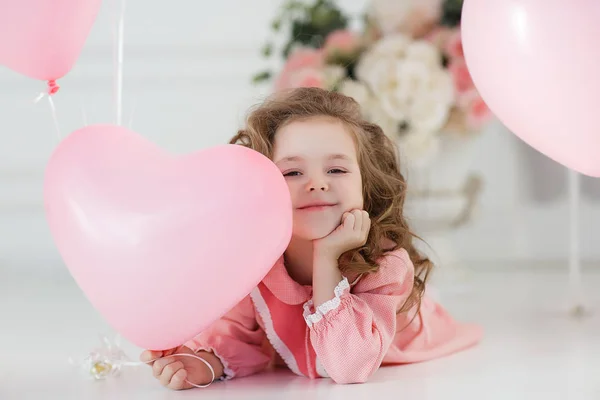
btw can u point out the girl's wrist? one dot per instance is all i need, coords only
(215, 362)
(325, 255)
(325, 261)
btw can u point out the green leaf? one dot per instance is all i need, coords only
(451, 12)
(294, 5)
(302, 32)
(326, 16)
(261, 77)
(276, 25)
(311, 24)
(267, 50)
(287, 49)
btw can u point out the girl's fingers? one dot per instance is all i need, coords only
(149, 356)
(358, 220)
(366, 226)
(349, 221)
(168, 372)
(160, 364)
(178, 380)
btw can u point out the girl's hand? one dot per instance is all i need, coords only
(351, 234)
(176, 372)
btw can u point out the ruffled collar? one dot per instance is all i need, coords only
(287, 290)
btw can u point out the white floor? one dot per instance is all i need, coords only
(533, 348)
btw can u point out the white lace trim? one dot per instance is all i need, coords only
(330, 305)
(276, 342)
(227, 372)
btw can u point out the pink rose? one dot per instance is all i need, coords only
(303, 77)
(308, 77)
(342, 41)
(448, 40)
(453, 46)
(460, 76)
(298, 61)
(304, 57)
(439, 37)
(476, 110)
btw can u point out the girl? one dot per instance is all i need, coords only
(348, 295)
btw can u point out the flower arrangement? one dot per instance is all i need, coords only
(406, 67)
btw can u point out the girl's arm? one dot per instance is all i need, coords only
(326, 276)
(351, 332)
(235, 341)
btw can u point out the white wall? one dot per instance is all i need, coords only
(187, 86)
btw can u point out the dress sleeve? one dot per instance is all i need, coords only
(236, 339)
(352, 332)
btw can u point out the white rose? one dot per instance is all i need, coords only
(357, 90)
(390, 14)
(409, 87)
(412, 17)
(394, 107)
(432, 99)
(387, 50)
(380, 77)
(392, 45)
(413, 79)
(425, 52)
(368, 64)
(409, 81)
(442, 87)
(377, 115)
(333, 74)
(428, 114)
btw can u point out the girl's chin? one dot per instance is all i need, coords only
(313, 232)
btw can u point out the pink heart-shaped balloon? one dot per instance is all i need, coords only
(42, 39)
(536, 63)
(164, 245)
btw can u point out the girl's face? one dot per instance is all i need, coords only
(318, 160)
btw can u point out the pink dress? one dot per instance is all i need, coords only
(346, 339)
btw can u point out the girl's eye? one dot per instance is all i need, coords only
(292, 173)
(336, 171)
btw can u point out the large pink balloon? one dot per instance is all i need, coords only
(42, 39)
(536, 65)
(164, 245)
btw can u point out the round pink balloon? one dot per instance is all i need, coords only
(164, 245)
(42, 39)
(536, 63)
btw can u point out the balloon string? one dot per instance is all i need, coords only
(53, 88)
(119, 63)
(53, 109)
(575, 278)
(135, 364)
(130, 125)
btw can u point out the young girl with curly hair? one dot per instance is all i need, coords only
(348, 295)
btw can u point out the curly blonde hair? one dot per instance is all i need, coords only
(384, 186)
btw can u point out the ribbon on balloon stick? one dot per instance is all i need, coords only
(109, 360)
(53, 88)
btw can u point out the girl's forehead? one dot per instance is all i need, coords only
(314, 134)
(312, 147)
